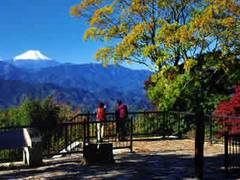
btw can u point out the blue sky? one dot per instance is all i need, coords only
(44, 25)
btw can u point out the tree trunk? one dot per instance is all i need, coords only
(199, 143)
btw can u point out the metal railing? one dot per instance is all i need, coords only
(218, 125)
(160, 123)
(110, 133)
(65, 138)
(72, 135)
(231, 152)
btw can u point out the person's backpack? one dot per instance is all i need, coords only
(126, 111)
(123, 111)
(100, 114)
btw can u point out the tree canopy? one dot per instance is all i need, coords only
(190, 45)
(42, 113)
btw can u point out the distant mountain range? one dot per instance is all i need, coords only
(35, 75)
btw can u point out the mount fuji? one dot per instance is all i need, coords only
(33, 60)
(31, 55)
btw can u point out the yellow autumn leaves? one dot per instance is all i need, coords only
(103, 55)
(147, 29)
(75, 10)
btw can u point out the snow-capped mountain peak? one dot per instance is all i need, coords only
(32, 55)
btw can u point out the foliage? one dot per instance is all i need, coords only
(44, 113)
(229, 108)
(205, 83)
(4, 118)
(192, 46)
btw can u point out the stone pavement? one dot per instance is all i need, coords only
(139, 165)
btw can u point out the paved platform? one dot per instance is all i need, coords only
(158, 162)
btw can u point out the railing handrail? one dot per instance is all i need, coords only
(225, 117)
(71, 121)
(130, 113)
(113, 113)
(181, 112)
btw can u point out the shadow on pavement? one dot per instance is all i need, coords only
(131, 166)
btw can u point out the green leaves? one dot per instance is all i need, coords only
(45, 113)
(167, 87)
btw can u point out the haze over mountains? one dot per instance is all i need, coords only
(33, 74)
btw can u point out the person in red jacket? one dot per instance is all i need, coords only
(122, 115)
(100, 118)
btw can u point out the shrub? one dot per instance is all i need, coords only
(228, 114)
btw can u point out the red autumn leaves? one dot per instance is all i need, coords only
(227, 114)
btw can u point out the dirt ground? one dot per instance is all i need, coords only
(185, 146)
(151, 159)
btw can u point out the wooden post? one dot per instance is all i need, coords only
(199, 143)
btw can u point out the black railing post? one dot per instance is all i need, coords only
(145, 129)
(234, 152)
(88, 127)
(178, 124)
(131, 134)
(66, 136)
(71, 138)
(84, 133)
(210, 130)
(166, 115)
(226, 155)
